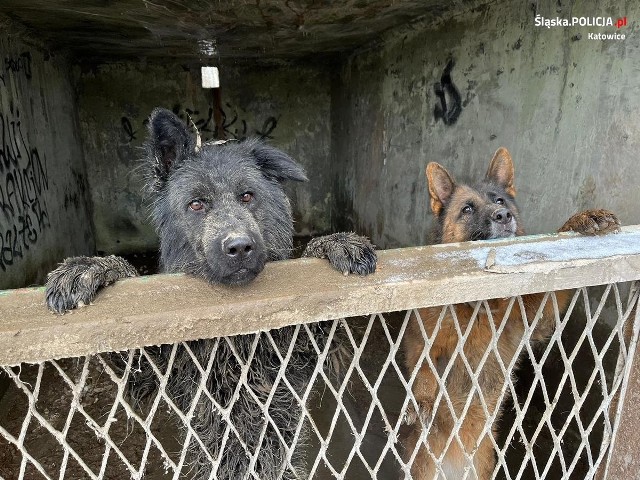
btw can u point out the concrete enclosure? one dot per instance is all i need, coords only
(363, 97)
(363, 93)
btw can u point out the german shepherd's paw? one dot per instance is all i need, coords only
(346, 251)
(77, 280)
(424, 414)
(592, 222)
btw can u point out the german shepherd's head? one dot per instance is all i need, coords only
(483, 211)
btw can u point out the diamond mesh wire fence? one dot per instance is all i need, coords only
(526, 387)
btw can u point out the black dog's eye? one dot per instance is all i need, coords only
(467, 209)
(196, 205)
(246, 197)
(499, 201)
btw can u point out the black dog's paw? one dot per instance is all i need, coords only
(76, 280)
(346, 251)
(592, 222)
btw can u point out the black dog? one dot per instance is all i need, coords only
(221, 213)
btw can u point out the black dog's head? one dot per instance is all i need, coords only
(220, 210)
(484, 211)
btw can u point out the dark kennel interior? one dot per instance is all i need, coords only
(363, 93)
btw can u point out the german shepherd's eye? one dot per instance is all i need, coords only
(196, 205)
(499, 201)
(246, 197)
(467, 209)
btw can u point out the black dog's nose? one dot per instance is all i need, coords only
(501, 215)
(238, 247)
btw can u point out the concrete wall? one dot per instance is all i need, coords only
(289, 105)
(43, 203)
(363, 126)
(565, 106)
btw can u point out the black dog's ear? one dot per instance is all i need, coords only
(169, 143)
(276, 164)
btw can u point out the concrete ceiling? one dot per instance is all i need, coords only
(103, 30)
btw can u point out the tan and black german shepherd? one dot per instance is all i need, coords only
(486, 210)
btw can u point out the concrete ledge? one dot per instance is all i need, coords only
(169, 308)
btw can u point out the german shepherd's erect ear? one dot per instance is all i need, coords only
(441, 187)
(501, 171)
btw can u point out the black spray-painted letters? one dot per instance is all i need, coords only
(23, 183)
(450, 101)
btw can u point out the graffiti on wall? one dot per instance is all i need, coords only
(232, 124)
(449, 97)
(127, 128)
(24, 179)
(19, 63)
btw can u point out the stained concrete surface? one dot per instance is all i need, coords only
(44, 206)
(564, 105)
(175, 307)
(256, 30)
